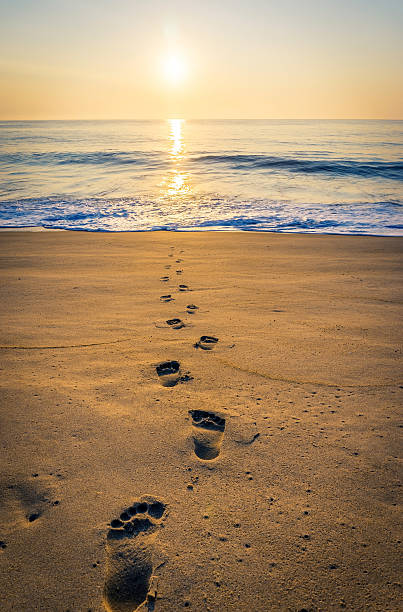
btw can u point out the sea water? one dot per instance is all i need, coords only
(342, 177)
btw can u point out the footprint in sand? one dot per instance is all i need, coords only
(166, 298)
(207, 343)
(179, 261)
(191, 308)
(208, 432)
(167, 267)
(164, 278)
(184, 288)
(129, 552)
(168, 372)
(176, 323)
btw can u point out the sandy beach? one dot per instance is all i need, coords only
(246, 447)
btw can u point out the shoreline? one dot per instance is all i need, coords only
(303, 377)
(40, 228)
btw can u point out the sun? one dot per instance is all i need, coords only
(175, 69)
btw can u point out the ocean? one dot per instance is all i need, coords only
(336, 177)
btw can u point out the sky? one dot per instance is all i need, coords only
(223, 59)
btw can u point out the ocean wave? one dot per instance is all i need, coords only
(238, 162)
(102, 158)
(204, 213)
(390, 170)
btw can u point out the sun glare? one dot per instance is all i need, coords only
(175, 69)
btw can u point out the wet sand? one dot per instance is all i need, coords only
(246, 449)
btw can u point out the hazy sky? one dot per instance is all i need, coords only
(94, 59)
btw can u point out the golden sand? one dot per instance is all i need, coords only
(229, 400)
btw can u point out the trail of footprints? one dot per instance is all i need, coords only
(129, 547)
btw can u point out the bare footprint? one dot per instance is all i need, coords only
(184, 288)
(179, 271)
(167, 298)
(168, 372)
(208, 433)
(191, 308)
(129, 555)
(176, 323)
(207, 343)
(164, 279)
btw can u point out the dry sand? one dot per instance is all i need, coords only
(298, 510)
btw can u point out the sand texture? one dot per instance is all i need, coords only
(232, 446)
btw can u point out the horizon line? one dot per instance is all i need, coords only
(212, 119)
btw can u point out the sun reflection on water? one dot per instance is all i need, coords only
(176, 138)
(176, 184)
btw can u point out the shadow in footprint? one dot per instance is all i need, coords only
(176, 323)
(208, 432)
(166, 298)
(164, 278)
(207, 343)
(129, 551)
(179, 271)
(168, 372)
(184, 288)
